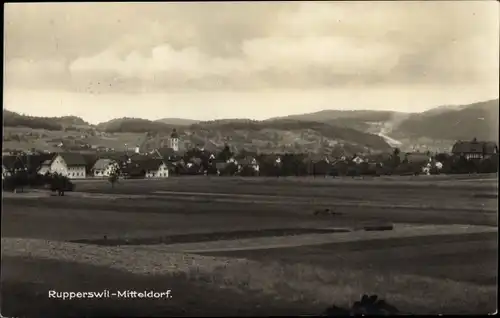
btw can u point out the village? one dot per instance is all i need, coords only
(465, 157)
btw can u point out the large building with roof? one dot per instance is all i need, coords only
(71, 165)
(475, 149)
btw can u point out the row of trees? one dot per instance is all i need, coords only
(293, 164)
(12, 119)
(19, 180)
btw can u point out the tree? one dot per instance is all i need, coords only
(60, 184)
(243, 153)
(113, 177)
(367, 305)
(231, 169)
(15, 180)
(442, 157)
(488, 165)
(405, 160)
(247, 171)
(225, 154)
(396, 160)
(20, 179)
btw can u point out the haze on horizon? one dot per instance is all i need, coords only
(212, 60)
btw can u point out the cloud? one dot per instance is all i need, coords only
(152, 46)
(35, 74)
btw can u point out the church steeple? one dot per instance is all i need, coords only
(174, 140)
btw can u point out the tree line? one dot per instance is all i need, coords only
(19, 180)
(12, 119)
(298, 164)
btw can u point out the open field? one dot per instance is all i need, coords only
(51, 137)
(121, 238)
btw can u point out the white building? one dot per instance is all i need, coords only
(174, 140)
(104, 167)
(71, 165)
(358, 160)
(155, 168)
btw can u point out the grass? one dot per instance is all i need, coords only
(28, 280)
(304, 283)
(465, 258)
(117, 141)
(260, 213)
(285, 279)
(205, 237)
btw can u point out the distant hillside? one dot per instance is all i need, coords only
(436, 129)
(177, 121)
(285, 135)
(71, 121)
(364, 120)
(133, 125)
(330, 131)
(329, 115)
(368, 121)
(263, 136)
(13, 119)
(464, 122)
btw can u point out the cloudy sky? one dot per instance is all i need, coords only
(255, 60)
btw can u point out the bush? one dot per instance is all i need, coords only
(60, 184)
(353, 172)
(489, 165)
(17, 180)
(368, 305)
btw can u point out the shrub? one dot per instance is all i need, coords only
(368, 305)
(488, 165)
(17, 180)
(60, 184)
(353, 172)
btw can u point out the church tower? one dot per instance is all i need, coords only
(174, 140)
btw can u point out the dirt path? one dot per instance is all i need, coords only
(260, 243)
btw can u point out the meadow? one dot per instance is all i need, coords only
(138, 234)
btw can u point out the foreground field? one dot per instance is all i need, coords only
(119, 238)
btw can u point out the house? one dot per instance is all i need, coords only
(29, 163)
(45, 167)
(475, 149)
(5, 172)
(10, 164)
(132, 171)
(248, 166)
(103, 167)
(358, 160)
(118, 156)
(249, 162)
(71, 165)
(34, 162)
(90, 160)
(154, 168)
(166, 153)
